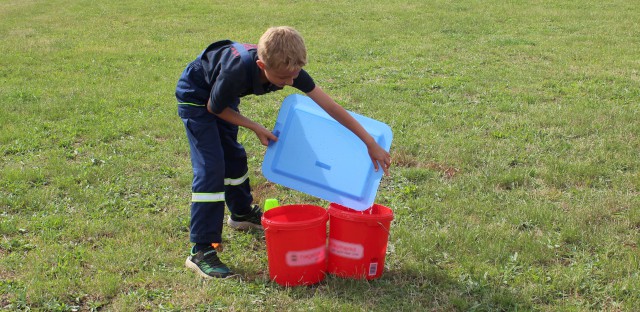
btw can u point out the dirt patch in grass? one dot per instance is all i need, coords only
(264, 190)
(405, 159)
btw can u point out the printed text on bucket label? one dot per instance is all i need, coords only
(305, 257)
(345, 249)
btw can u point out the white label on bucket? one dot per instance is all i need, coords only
(305, 257)
(346, 250)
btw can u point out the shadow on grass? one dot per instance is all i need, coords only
(408, 290)
(430, 287)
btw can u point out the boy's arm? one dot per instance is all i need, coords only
(379, 156)
(231, 116)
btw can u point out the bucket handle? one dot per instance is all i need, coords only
(384, 228)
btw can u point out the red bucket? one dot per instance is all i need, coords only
(358, 241)
(296, 238)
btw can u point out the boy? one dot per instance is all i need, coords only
(208, 94)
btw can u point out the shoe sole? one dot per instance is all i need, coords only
(189, 264)
(244, 225)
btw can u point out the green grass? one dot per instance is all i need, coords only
(516, 138)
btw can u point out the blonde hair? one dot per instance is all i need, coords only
(282, 48)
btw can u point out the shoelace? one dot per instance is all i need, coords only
(256, 214)
(211, 258)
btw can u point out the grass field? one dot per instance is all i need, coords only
(516, 150)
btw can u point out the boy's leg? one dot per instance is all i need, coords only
(207, 199)
(238, 196)
(237, 187)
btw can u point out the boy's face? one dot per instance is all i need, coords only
(278, 77)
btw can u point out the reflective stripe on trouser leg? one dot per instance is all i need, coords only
(207, 197)
(236, 182)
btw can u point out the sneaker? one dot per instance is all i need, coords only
(206, 263)
(251, 220)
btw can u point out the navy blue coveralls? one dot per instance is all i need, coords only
(220, 173)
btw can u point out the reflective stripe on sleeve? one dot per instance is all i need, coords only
(207, 197)
(191, 104)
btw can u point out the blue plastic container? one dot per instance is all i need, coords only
(316, 155)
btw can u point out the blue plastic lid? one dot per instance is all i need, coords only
(318, 156)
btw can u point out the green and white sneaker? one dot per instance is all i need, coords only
(206, 263)
(252, 220)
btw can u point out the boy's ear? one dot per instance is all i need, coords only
(261, 64)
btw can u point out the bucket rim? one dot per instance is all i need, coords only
(343, 212)
(267, 223)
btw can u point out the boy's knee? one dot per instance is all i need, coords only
(210, 171)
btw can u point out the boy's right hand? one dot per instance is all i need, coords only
(264, 135)
(234, 117)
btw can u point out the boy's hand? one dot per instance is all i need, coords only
(264, 135)
(380, 158)
(237, 119)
